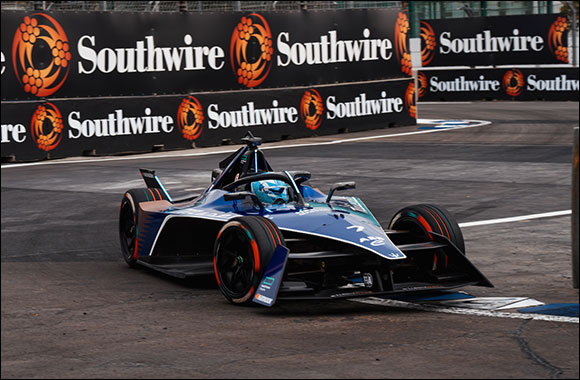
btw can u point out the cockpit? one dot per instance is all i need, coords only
(246, 173)
(271, 192)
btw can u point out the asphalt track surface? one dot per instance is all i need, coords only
(71, 308)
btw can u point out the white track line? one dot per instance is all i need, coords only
(125, 158)
(516, 218)
(464, 311)
(445, 102)
(476, 312)
(476, 123)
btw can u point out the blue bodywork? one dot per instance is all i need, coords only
(176, 237)
(349, 222)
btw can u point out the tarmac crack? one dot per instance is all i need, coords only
(555, 372)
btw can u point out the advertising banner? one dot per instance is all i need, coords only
(96, 54)
(69, 127)
(491, 41)
(499, 84)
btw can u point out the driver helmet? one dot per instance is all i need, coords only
(271, 191)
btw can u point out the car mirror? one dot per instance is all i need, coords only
(339, 187)
(215, 173)
(300, 176)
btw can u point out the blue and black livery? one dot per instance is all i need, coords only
(310, 245)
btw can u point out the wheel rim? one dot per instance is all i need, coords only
(235, 262)
(128, 230)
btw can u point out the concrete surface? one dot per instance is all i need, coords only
(71, 308)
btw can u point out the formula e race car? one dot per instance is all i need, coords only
(267, 236)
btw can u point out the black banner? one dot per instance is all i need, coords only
(94, 54)
(491, 41)
(62, 128)
(499, 84)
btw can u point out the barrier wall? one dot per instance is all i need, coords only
(90, 54)
(124, 82)
(481, 42)
(556, 84)
(492, 41)
(61, 128)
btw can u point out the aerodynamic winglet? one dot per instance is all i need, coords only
(272, 279)
(153, 182)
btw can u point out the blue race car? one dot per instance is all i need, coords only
(266, 235)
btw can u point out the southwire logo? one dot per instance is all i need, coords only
(428, 42)
(361, 106)
(561, 83)
(117, 124)
(513, 82)
(190, 118)
(463, 85)
(422, 81)
(40, 55)
(251, 70)
(250, 116)
(410, 103)
(486, 43)
(329, 49)
(401, 48)
(145, 56)
(46, 126)
(252, 51)
(556, 39)
(311, 109)
(13, 133)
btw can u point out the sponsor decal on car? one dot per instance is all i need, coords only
(262, 298)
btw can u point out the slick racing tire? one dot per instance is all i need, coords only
(424, 218)
(242, 251)
(129, 219)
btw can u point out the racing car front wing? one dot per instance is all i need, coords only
(329, 274)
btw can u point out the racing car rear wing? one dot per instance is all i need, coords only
(153, 182)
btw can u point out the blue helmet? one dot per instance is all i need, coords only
(271, 191)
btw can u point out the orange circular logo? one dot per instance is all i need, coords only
(41, 55)
(403, 55)
(410, 100)
(311, 109)
(422, 82)
(557, 31)
(46, 126)
(429, 43)
(513, 82)
(251, 50)
(190, 118)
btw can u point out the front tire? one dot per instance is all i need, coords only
(418, 221)
(425, 218)
(243, 249)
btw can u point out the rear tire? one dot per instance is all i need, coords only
(242, 251)
(129, 219)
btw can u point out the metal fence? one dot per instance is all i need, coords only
(424, 9)
(192, 6)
